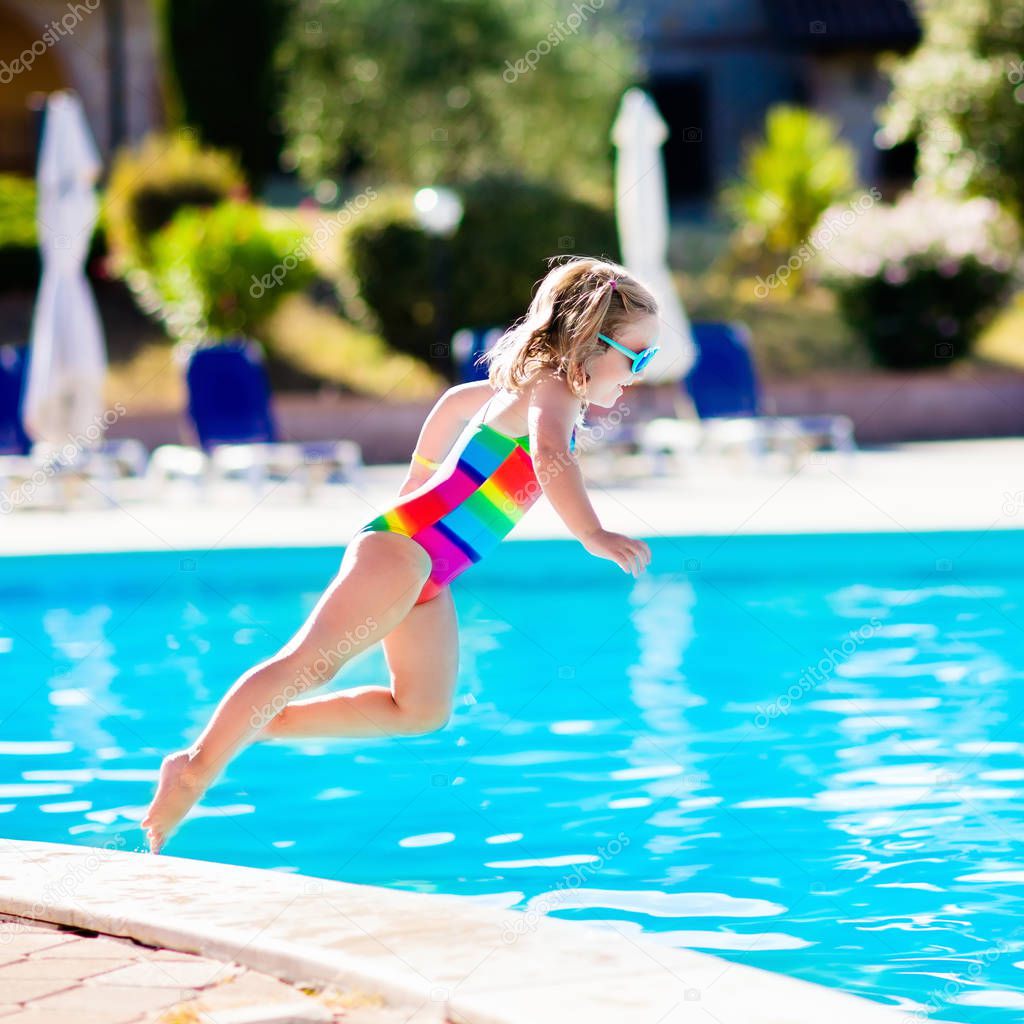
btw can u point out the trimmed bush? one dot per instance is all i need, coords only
(510, 227)
(918, 280)
(218, 273)
(387, 286)
(149, 184)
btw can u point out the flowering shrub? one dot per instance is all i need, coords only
(918, 279)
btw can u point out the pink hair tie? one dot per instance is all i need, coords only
(613, 283)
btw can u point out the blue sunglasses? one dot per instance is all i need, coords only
(640, 359)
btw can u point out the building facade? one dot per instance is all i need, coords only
(714, 69)
(106, 50)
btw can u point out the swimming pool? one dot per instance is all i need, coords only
(800, 753)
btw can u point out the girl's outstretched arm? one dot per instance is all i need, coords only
(553, 410)
(442, 427)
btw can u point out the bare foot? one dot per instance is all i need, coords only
(180, 785)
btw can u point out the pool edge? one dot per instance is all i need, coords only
(261, 919)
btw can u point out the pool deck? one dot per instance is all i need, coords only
(414, 958)
(940, 485)
(392, 956)
(59, 973)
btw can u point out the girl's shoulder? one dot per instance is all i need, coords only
(553, 391)
(550, 384)
(467, 398)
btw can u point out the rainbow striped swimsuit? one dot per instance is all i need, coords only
(476, 496)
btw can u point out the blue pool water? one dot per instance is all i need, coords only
(802, 753)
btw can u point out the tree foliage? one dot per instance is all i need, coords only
(448, 90)
(222, 81)
(961, 92)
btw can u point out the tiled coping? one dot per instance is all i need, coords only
(442, 957)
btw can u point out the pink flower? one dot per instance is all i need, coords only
(895, 273)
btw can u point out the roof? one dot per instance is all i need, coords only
(822, 25)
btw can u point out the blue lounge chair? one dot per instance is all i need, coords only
(228, 395)
(726, 395)
(230, 409)
(721, 381)
(13, 363)
(16, 467)
(468, 344)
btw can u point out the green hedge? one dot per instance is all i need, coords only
(930, 318)
(19, 247)
(220, 272)
(510, 227)
(20, 260)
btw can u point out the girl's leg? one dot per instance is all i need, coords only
(422, 653)
(381, 576)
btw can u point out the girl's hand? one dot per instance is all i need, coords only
(630, 555)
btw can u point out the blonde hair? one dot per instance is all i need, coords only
(575, 301)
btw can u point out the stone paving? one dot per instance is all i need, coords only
(59, 975)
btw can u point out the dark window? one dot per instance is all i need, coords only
(683, 102)
(897, 163)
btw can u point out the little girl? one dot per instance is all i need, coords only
(485, 452)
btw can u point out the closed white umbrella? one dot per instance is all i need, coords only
(641, 210)
(67, 354)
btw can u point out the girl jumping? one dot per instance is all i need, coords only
(484, 454)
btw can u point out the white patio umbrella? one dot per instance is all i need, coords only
(67, 354)
(641, 210)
